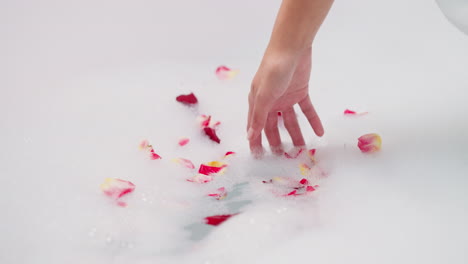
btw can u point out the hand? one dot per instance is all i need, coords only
(280, 82)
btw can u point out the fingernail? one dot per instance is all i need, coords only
(250, 134)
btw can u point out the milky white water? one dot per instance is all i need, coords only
(82, 83)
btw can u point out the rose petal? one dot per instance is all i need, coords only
(289, 156)
(183, 141)
(291, 193)
(204, 120)
(116, 188)
(311, 154)
(187, 99)
(370, 143)
(154, 156)
(302, 191)
(229, 154)
(304, 182)
(200, 178)
(304, 169)
(351, 112)
(225, 73)
(213, 167)
(184, 162)
(220, 194)
(217, 219)
(211, 133)
(144, 144)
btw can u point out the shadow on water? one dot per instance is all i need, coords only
(200, 230)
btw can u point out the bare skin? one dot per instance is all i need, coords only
(282, 80)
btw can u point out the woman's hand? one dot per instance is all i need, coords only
(281, 81)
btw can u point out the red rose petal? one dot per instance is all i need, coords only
(187, 99)
(304, 182)
(211, 133)
(208, 170)
(217, 219)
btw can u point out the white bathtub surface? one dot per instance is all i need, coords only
(83, 82)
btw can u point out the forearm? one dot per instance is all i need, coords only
(296, 25)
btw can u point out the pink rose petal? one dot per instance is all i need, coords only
(184, 162)
(116, 188)
(220, 194)
(225, 73)
(183, 141)
(370, 143)
(217, 219)
(304, 169)
(187, 99)
(154, 156)
(144, 144)
(351, 112)
(206, 121)
(311, 154)
(200, 178)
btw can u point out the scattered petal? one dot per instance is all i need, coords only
(292, 193)
(154, 156)
(116, 188)
(354, 113)
(183, 141)
(204, 120)
(184, 162)
(213, 167)
(304, 182)
(311, 154)
(187, 99)
(289, 156)
(220, 194)
(201, 178)
(211, 133)
(370, 143)
(144, 144)
(217, 219)
(229, 154)
(225, 73)
(304, 169)
(121, 204)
